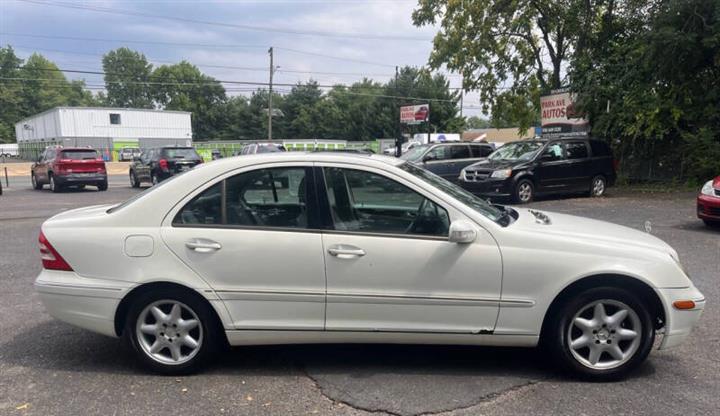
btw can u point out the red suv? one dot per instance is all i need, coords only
(62, 167)
(708, 202)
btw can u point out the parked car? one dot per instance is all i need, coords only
(62, 167)
(253, 148)
(522, 170)
(391, 151)
(303, 247)
(128, 153)
(8, 150)
(156, 165)
(447, 159)
(708, 202)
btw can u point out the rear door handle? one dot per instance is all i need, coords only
(345, 251)
(203, 245)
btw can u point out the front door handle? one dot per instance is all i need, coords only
(202, 245)
(344, 251)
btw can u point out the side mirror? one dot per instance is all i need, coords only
(462, 232)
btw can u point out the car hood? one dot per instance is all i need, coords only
(570, 227)
(488, 165)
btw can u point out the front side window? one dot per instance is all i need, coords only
(261, 198)
(366, 202)
(439, 153)
(553, 152)
(576, 150)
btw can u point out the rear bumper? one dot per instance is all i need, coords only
(80, 179)
(679, 323)
(708, 207)
(85, 303)
(499, 188)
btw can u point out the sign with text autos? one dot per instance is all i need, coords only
(558, 115)
(414, 114)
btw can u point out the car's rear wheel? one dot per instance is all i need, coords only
(601, 333)
(53, 185)
(711, 223)
(35, 184)
(524, 191)
(171, 332)
(103, 186)
(598, 186)
(134, 182)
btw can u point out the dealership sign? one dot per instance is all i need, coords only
(415, 114)
(558, 115)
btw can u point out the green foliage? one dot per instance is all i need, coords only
(126, 79)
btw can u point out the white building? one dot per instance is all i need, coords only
(105, 129)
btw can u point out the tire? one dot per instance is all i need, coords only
(155, 179)
(134, 182)
(712, 224)
(598, 185)
(142, 330)
(524, 191)
(587, 352)
(35, 184)
(53, 186)
(102, 186)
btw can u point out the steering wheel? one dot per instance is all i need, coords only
(411, 228)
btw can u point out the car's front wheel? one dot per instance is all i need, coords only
(524, 191)
(155, 179)
(134, 182)
(35, 184)
(601, 333)
(172, 332)
(598, 186)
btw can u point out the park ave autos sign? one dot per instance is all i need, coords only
(414, 114)
(558, 116)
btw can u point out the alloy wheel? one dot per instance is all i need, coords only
(169, 332)
(524, 192)
(604, 334)
(598, 186)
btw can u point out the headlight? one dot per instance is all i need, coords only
(501, 174)
(463, 175)
(707, 189)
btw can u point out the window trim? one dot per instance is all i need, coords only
(330, 224)
(119, 119)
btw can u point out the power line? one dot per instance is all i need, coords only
(141, 42)
(108, 10)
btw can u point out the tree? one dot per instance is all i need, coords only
(126, 79)
(509, 50)
(183, 87)
(10, 101)
(476, 122)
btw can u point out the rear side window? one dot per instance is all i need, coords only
(576, 150)
(481, 151)
(260, 198)
(460, 151)
(600, 149)
(79, 154)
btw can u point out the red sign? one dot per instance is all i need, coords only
(414, 114)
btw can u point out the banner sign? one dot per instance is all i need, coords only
(558, 115)
(414, 114)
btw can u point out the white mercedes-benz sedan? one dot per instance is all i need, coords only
(329, 247)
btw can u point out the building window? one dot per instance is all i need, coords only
(114, 118)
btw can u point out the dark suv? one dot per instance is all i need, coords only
(62, 167)
(156, 165)
(522, 170)
(447, 159)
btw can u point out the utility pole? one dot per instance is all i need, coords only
(270, 95)
(399, 138)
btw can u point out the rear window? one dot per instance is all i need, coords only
(79, 154)
(600, 148)
(270, 148)
(180, 153)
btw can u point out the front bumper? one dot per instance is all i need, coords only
(708, 207)
(679, 323)
(499, 188)
(81, 178)
(85, 303)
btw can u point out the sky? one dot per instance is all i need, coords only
(330, 41)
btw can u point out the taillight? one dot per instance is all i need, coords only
(51, 259)
(163, 164)
(616, 164)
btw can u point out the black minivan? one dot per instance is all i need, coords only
(521, 170)
(156, 165)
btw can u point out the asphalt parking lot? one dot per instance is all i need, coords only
(50, 368)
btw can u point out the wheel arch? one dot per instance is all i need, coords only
(637, 287)
(124, 306)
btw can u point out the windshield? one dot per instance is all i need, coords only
(414, 154)
(79, 154)
(470, 200)
(517, 151)
(180, 153)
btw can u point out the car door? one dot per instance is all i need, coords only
(579, 165)
(253, 236)
(142, 168)
(40, 168)
(390, 266)
(437, 161)
(552, 171)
